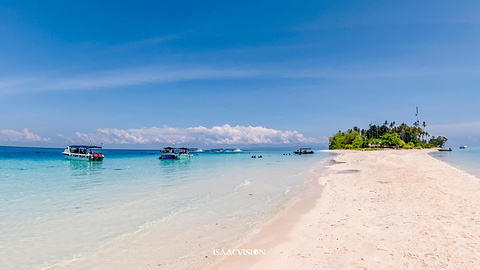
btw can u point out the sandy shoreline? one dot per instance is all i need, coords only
(378, 210)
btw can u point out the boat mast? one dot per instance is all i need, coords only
(418, 121)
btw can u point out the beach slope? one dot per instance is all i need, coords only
(393, 209)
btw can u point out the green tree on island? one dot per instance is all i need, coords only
(390, 136)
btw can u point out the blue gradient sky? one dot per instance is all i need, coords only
(70, 71)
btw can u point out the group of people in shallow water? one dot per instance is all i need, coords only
(261, 156)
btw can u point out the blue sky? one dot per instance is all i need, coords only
(145, 74)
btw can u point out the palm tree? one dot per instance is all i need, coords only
(427, 135)
(423, 134)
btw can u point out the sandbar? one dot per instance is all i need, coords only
(393, 209)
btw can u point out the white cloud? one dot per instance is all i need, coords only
(22, 136)
(217, 135)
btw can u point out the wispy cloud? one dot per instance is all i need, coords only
(150, 41)
(25, 135)
(456, 129)
(117, 78)
(121, 78)
(141, 76)
(217, 135)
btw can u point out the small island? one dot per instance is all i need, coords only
(386, 136)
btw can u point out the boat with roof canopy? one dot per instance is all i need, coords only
(84, 152)
(175, 153)
(303, 151)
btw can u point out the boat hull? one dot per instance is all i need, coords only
(175, 156)
(82, 157)
(168, 156)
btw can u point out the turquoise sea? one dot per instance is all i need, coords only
(465, 159)
(53, 210)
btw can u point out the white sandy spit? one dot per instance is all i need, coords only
(396, 209)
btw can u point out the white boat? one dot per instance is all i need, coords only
(226, 151)
(232, 150)
(195, 150)
(463, 147)
(84, 152)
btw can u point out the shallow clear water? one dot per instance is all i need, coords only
(53, 208)
(466, 159)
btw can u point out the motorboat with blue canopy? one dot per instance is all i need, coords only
(175, 153)
(84, 152)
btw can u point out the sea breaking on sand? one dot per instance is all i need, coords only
(395, 209)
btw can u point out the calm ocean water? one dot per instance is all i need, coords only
(465, 159)
(53, 209)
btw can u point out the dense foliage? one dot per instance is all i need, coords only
(386, 135)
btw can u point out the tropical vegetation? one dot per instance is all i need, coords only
(387, 135)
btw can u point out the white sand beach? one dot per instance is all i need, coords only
(395, 209)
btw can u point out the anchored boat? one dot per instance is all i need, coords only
(84, 152)
(226, 151)
(303, 151)
(175, 153)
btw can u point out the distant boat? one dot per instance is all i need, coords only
(195, 150)
(84, 152)
(226, 151)
(233, 150)
(175, 153)
(463, 147)
(303, 151)
(445, 149)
